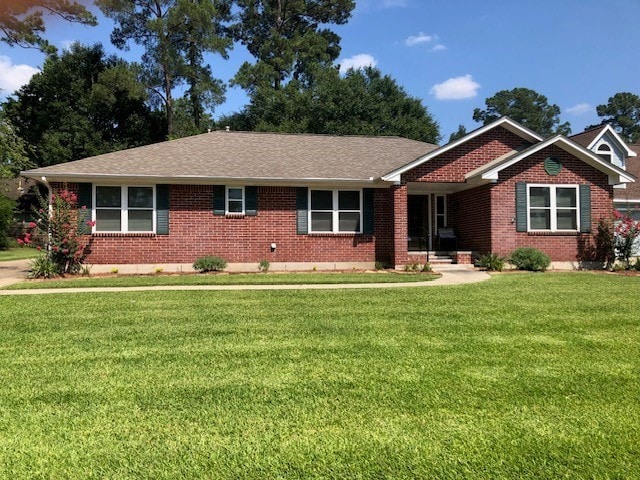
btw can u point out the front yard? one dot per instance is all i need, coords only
(524, 376)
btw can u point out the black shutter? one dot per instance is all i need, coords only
(218, 199)
(251, 201)
(521, 207)
(585, 208)
(367, 211)
(85, 199)
(302, 210)
(162, 209)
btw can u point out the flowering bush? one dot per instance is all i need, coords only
(61, 230)
(625, 232)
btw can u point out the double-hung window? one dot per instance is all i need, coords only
(553, 207)
(335, 211)
(124, 209)
(235, 200)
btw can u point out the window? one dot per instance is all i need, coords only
(335, 211)
(235, 200)
(124, 209)
(604, 152)
(553, 207)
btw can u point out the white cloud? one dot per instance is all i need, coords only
(438, 48)
(580, 109)
(457, 88)
(357, 62)
(12, 77)
(418, 39)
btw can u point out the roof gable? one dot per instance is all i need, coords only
(491, 171)
(590, 138)
(504, 122)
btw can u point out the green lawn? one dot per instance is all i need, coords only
(18, 253)
(226, 279)
(524, 376)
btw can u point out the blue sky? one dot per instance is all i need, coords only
(452, 54)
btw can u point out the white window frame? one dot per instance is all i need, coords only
(553, 208)
(606, 155)
(124, 209)
(227, 199)
(335, 217)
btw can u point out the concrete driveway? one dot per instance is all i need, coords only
(13, 271)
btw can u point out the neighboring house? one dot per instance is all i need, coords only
(320, 200)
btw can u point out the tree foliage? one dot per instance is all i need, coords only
(287, 38)
(525, 106)
(461, 132)
(13, 151)
(22, 23)
(364, 102)
(82, 104)
(175, 35)
(623, 113)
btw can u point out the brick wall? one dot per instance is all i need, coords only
(560, 247)
(195, 231)
(452, 166)
(470, 215)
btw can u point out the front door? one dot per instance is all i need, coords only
(418, 208)
(426, 215)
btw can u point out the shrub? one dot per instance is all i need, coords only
(379, 265)
(6, 220)
(626, 230)
(209, 264)
(491, 261)
(263, 266)
(529, 258)
(637, 264)
(61, 231)
(43, 267)
(427, 267)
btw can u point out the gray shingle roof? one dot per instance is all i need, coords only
(585, 138)
(250, 155)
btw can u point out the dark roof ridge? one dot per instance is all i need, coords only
(307, 134)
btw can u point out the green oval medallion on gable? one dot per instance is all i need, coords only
(552, 166)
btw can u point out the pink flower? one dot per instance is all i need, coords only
(38, 248)
(32, 225)
(20, 241)
(91, 223)
(65, 250)
(84, 207)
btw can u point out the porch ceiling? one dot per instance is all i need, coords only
(423, 188)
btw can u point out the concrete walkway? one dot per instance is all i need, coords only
(450, 276)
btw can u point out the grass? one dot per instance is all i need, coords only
(226, 279)
(524, 376)
(18, 253)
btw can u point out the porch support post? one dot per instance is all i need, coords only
(400, 225)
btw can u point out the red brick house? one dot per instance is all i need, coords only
(337, 201)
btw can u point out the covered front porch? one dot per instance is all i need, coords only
(436, 220)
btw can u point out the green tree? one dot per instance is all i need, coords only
(22, 22)
(525, 106)
(623, 113)
(363, 102)
(175, 35)
(461, 132)
(287, 39)
(83, 103)
(13, 151)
